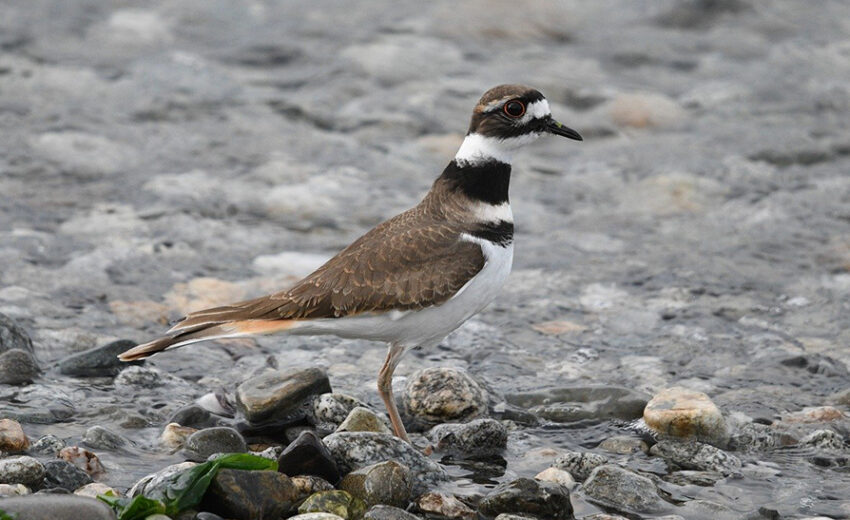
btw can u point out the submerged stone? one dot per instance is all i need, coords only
(524, 495)
(382, 483)
(622, 489)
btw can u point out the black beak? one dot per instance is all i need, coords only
(554, 127)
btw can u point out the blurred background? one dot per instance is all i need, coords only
(160, 157)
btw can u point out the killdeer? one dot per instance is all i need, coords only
(413, 279)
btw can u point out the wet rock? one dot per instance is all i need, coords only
(316, 516)
(98, 437)
(47, 445)
(580, 464)
(332, 409)
(683, 413)
(94, 489)
(250, 495)
(756, 436)
(217, 403)
(154, 484)
(824, 440)
(220, 439)
(438, 395)
(444, 506)
(694, 478)
(12, 437)
(337, 502)
(308, 455)
(353, 450)
(363, 420)
(645, 110)
(54, 507)
(195, 416)
(279, 393)
(204, 515)
(18, 367)
(307, 485)
(558, 476)
(138, 377)
(569, 404)
(384, 512)
(525, 495)
(698, 456)
(13, 336)
(83, 459)
(622, 489)
(63, 474)
(478, 438)
(174, 436)
(21, 470)
(97, 362)
(623, 445)
(511, 516)
(13, 490)
(814, 414)
(382, 483)
(606, 516)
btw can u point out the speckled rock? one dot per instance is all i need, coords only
(154, 484)
(382, 483)
(558, 476)
(525, 495)
(694, 478)
(384, 512)
(63, 474)
(14, 490)
(134, 377)
(18, 367)
(308, 455)
(623, 445)
(756, 436)
(98, 437)
(438, 395)
(12, 437)
(221, 439)
(444, 505)
(21, 470)
(250, 495)
(279, 393)
(174, 436)
(83, 459)
(478, 438)
(316, 516)
(577, 403)
(579, 464)
(13, 336)
(362, 419)
(687, 414)
(47, 445)
(697, 455)
(307, 485)
(814, 414)
(332, 409)
(98, 361)
(55, 507)
(824, 440)
(94, 489)
(337, 502)
(622, 489)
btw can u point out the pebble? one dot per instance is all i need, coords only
(332, 408)
(824, 440)
(63, 474)
(13, 336)
(154, 484)
(195, 416)
(220, 439)
(697, 455)
(18, 367)
(645, 110)
(444, 505)
(363, 420)
(47, 445)
(814, 414)
(579, 403)
(340, 503)
(250, 495)
(307, 485)
(13, 490)
(55, 507)
(558, 476)
(686, 414)
(384, 512)
(12, 437)
(308, 455)
(382, 483)
(623, 445)
(83, 459)
(98, 437)
(756, 436)
(525, 495)
(316, 516)
(511, 516)
(279, 393)
(477, 438)
(694, 478)
(97, 362)
(94, 489)
(439, 395)
(580, 464)
(622, 489)
(21, 470)
(134, 377)
(174, 436)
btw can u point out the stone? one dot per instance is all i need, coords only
(134, 377)
(94, 489)
(697, 455)
(525, 495)
(220, 439)
(56, 507)
(12, 437)
(686, 414)
(332, 408)
(623, 445)
(195, 416)
(558, 476)
(645, 110)
(382, 483)
(307, 485)
(384, 512)
(316, 516)
(250, 495)
(47, 445)
(694, 478)
(756, 436)
(83, 459)
(444, 506)
(279, 393)
(98, 361)
(824, 440)
(580, 403)
(98, 437)
(477, 438)
(606, 516)
(18, 367)
(308, 455)
(13, 490)
(580, 464)
(340, 503)
(217, 403)
(622, 490)
(63, 474)
(174, 436)
(353, 450)
(205, 515)
(21, 470)
(438, 395)
(153, 485)
(13, 336)
(363, 420)
(511, 516)
(814, 414)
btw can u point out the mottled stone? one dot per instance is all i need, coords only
(63, 474)
(382, 483)
(279, 393)
(174, 436)
(824, 440)
(195, 416)
(13, 336)
(332, 409)
(12, 437)
(814, 414)
(98, 437)
(694, 478)
(525, 495)
(578, 403)
(756, 436)
(438, 395)
(580, 464)
(623, 445)
(307, 485)
(139, 377)
(250, 495)
(21, 470)
(444, 506)
(18, 367)
(622, 489)
(363, 420)
(316, 516)
(220, 439)
(384, 512)
(697, 456)
(83, 459)
(683, 413)
(55, 507)
(478, 438)
(558, 476)
(47, 445)
(340, 503)
(308, 455)
(97, 362)
(13, 490)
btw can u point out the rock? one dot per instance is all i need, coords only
(21, 470)
(580, 464)
(250, 495)
(383, 512)
(579, 403)
(623, 445)
(332, 409)
(83, 459)
(756, 436)
(17, 367)
(645, 110)
(47, 445)
(220, 439)
(444, 506)
(524, 495)
(98, 437)
(308, 455)
(94, 489)
(511, 516)
(63, 474)
(174, 436)
(438, 395)
(814, 414)
(622, 489)
(134, 377)
(382, 483)
(694, 478)
(13, 336)
(824, 440)
(56, 507)
(686, 414)
(195, 416)
(697, 455)
(307, 485)
(606, 516)
(478, 438)
(12, 437)
(154, 484)
(363, 420)
(353, 450)
(217, 403)
(279, 393)
(558, 476)
(206, 515)
(337, 502)
(316, 516)
(13, 490)
(97, 362)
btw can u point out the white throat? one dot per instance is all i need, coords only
(477, 148)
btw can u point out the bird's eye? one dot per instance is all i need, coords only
(515, 108)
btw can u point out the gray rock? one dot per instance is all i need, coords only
(444, 505)
(338, 502)
(97, 362)
(511, 516)
(698, 456)
(623, 445)
(824, 440)
(57, 507)
(154, 485)
(316, 516)
(63, 474)
(250, 495)
(98, 437)
(21, 470)
(332, 409)
(353, 450)
(478, 438)
(13, 336)
(362, 419)
(757, 437)
(438, 395)
(384, 512)
(578, 403)
(580, 464)
(308, 455)
(18, 367)
(139, 377)
(524, 495)
(195, 416)
(694, 478)
(220, 439)
(47, 445)
(279, 393)
(622, 490)
(382, 483)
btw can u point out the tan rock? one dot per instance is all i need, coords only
(174, 436)
(558, 327)
(645, 110)
(202, 293)
(445, 505)
(13, 490)
(94, 489)
(683, 413)
(141, 312)
(83, 459)
(362, 419)
(558, 476)
(12, 437)
(814, 414)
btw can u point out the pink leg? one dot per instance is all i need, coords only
(385, 388)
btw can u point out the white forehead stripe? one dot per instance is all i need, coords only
(538, 109)
(477, 148)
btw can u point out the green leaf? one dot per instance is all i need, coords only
(136, 508)
(246, 461)
(7, 516)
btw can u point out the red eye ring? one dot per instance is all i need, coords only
(514, 108)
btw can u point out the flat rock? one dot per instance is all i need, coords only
(250, 495)
(337, 502)
(525, 495)
(98, 361)
(623, 445)
(438, 395)
(308, 455)
(220, 439)
(579, 464)
(686, 414)
(444, 505)
(362, 419)
(47, 445)
(279, 393)
(98, 437)
(332, 408)
(623, 490)
(382, 483)
(13, 336)
(384, 512)
(63, 474)
(478, 438)
(12, 437)
(21, 470)
(579, 403)
(698, 456)
(558, 476)
(57, 507)
(18, 367)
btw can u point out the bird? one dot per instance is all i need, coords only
(416, 277)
